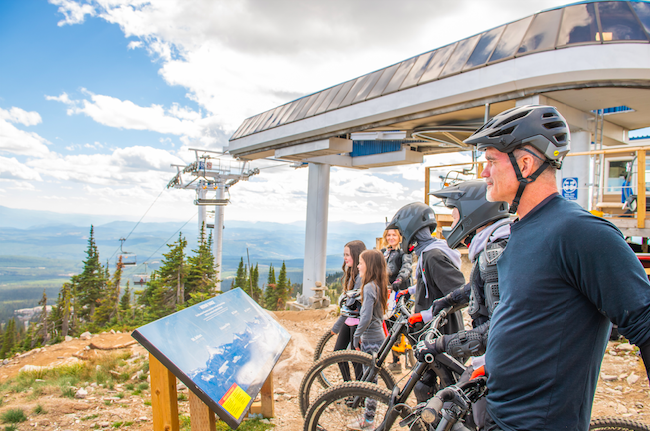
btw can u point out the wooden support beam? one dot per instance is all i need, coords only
(640, 194)
(427, 184)
(201, 417)
(266, 407)
(164, 401)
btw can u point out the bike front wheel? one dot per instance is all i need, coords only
(335, 410)
(326, 371)
(610, 423)
(325, 345)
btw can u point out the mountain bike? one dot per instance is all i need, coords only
(344, 403)
(449, 408)
(326, 370)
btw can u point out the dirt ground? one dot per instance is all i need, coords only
(622, 389)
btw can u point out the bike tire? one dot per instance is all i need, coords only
(325, 345)
(326, 368)
(331, 413)
(611, 423)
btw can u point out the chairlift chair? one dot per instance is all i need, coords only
(128, 259)
(141, 279)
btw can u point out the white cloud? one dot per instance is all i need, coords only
(12, 169)
(63, 98)
(16, 141)
(238, 58)
(20, 116)
(136, 166)
(74, 12)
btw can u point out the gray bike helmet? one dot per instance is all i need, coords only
(410, 219)
(540, 126)
(474, 209)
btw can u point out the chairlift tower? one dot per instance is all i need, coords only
(212, 174)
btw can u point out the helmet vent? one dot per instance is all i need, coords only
(502, 132)
(560, 138)
(549, 115)
(554, 124)
(515, 117)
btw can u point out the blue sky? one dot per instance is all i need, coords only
(99, 97)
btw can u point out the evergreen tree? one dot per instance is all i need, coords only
(270, 295)
(90, 281)
(282, 289)
(201, 274)
(254, 280)
(43, 333)
(60, 315)
(125, 304)
(166, 289)
(10, 338)
(108, 307)
(240, 277)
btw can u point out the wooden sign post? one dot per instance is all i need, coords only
(164, 402)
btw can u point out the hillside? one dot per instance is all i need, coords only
(118, 395)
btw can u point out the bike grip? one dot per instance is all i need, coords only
(431, 410)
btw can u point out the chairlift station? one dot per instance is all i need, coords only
(590, 59)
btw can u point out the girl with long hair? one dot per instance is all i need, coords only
(347, 323)
(369, 335)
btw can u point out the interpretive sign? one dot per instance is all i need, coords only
(223, 349)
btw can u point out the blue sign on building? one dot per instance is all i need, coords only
(570, 188)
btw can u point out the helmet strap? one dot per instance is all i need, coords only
(523, 182)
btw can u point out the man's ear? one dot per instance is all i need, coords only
(527, 165)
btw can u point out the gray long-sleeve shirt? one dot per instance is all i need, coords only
(370, 330)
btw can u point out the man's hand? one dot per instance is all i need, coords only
(426, 351)
(397, 284)
(439, 304)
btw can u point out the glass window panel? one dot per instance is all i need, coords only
(542, 33)
(354, 91)
(460, 55)
(367, 86)
(383, 81)
(617, 173)
(241, 128)
(437, 63)
(578, 25)
(400, 75)
(618, 23)
(254, 123)
(265, 117)
(268, 121)
(305, 108)
(279, 115)
(321, 96)
(417, 70)
(642, 10)
(288, 112)
(342, 93)
(510, 39)
(299, 107)
(484, 48)
(330, 96)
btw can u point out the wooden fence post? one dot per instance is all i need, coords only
(266, 407)
(164, 401)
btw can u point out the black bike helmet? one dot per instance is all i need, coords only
(410, 219)
(540, 126)
(474, 209)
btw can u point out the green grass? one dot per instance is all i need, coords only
(129, 386)
(136, 392)
(117, 424)
(39, 410)
(181, 397)
(13, 416)
(248, 425)
(67, 392)
(87, 418)
(107, 402)
(184, 422)
(128, 423)
(120, 395)
(11, 427)
(143, 386)
(147, 403)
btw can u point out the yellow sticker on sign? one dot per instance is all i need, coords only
(235, 401)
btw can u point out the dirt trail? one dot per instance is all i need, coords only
(622, 389)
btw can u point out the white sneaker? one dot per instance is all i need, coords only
(361, 424)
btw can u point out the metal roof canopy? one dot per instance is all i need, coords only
(587, 56)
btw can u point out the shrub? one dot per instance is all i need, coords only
(14, 416)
